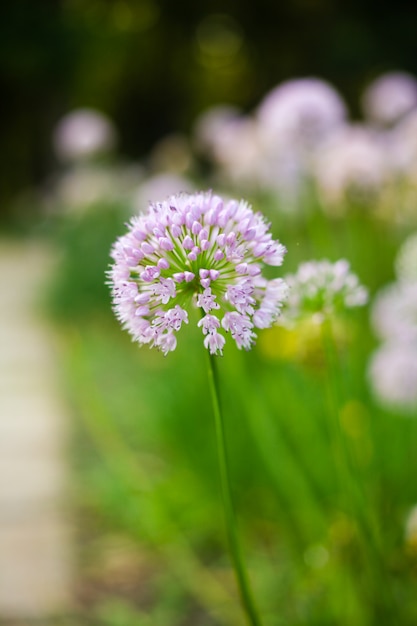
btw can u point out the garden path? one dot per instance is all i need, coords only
(35, 557)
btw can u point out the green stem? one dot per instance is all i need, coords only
(359, 505)
(236, 554)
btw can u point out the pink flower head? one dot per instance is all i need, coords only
(390, 97)
(199, 249)
(83, 133)
(301, 113)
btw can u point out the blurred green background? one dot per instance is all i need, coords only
(152, 65)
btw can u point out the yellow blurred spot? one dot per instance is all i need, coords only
(303, 343)
(353, 418)
(342, 532)
(219, 40)
(277, 342)
(316, 556)
(134, 17)
(219, 35)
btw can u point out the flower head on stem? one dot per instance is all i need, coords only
(321, 289)
(200, 249)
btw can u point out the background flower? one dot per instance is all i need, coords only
(393, 375)
(82, 134)
(351, 164)
(406, 260)
(300, 113)
(394, 312)
(390, 97)
(321, 288)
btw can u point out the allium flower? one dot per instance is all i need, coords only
(293, 120)
(391, 96)
(301, 113)
(403, 146)
(232, 142)
(83, 133)
(394, 312)
(88, 184)
(210, 126)
(392, 373)
(196, 248)
(239, 154)
(351, 163)
(406, 260)
(321, 288)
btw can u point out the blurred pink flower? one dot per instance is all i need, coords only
(390, 97)
(394, 312)
(299, 114)
(392, 373)
(351, 164)
(82, 134)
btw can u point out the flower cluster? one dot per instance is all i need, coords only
(406, 260)
(350, 165)
(390, 97)
(392, 368)
(393, 375)
(196, 248)
(301, 112)
(300, 138)
(322, 288)
(394, 313)
(270, 147)
(82, 134)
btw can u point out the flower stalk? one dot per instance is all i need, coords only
(241, 574)
(385, 603)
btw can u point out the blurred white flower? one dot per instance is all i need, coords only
(233, 143)
(299, 114)
(82, 134)
(392, 373)
(350, 165)
(394, 313)
(209, 127)
(239, 153)
(403, 146)
(85, 185)
(321, 288)
(388, 98)
(406, 260)
(285, 175)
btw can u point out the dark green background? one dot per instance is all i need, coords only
(140, 63)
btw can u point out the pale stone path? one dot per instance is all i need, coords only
(35, 553)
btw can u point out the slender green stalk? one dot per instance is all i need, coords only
(235, 550)
(345, 462)
(359, 506)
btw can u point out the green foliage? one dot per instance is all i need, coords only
(322, 476)
(83, 243)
